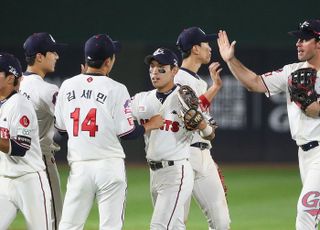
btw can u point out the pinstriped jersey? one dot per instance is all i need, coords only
(95, 111)
(43, 97)
(170, 142)
(303, 128)
(18, 122)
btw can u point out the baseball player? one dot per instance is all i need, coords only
(167, 149)
(208, 188)
(95, 111)
(41, 53)
(304, 126)
(23, 180)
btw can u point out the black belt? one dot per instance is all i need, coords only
(155, 165)
(200, 145)
(309, 145)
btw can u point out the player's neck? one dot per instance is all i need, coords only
(315, 62)
(166, 88)
(34, 69)
(95, 71)
(191, 65)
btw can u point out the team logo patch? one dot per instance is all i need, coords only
(89, 79)
(311, 203)
(24, 121)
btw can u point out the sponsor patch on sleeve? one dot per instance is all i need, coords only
(23, 141)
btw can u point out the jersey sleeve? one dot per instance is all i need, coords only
(49, 98)
(122, 113)
(276, 81)
(22, 124)
(135, 106)
(59, 121)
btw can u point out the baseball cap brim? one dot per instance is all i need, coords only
(58, 47)
(301, 34)
(117, 46)
(161, 59)
(210, 37)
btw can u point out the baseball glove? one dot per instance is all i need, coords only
(189, 103)
(188, 98)
(192, 119)
(301, 86)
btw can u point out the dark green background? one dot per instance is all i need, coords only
(259, 27)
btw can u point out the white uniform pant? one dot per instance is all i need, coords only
(31, 195)
(104, 180)
(170, 188)
(308, 207)
(55, 188)
(208, 190)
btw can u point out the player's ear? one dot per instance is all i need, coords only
(175, 70)
(195, 49)
(10, 79)
(38, 57)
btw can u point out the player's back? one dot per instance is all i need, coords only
(95, 111)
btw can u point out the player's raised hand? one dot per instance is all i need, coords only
(214, 70)
(154, 122)
(226, 49)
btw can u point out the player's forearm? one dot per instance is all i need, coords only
(248, 78)
(4, 145)
(212, 92)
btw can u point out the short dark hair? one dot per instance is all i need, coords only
(31, 60)
(97, 63)
(94, 63)
(185, 54)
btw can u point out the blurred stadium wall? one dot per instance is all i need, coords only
(251, 127)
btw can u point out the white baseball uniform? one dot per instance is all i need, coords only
(306, 132)
(23, 181)
(208, 189)
(167, 153)
(43, 97)
(95, 111)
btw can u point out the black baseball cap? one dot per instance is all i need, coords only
(307, 30)
(193, 36)
(10, 64)
(100, 47)
(41, 42)
(162, 55)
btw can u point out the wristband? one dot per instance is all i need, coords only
(206, 131)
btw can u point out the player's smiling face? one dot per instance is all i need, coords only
(161, 76)
(307, 49)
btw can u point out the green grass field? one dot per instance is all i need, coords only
(261, 197)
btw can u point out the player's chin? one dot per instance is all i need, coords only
(207, 61)
(155, 84)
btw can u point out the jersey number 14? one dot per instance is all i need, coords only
(89, 123)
